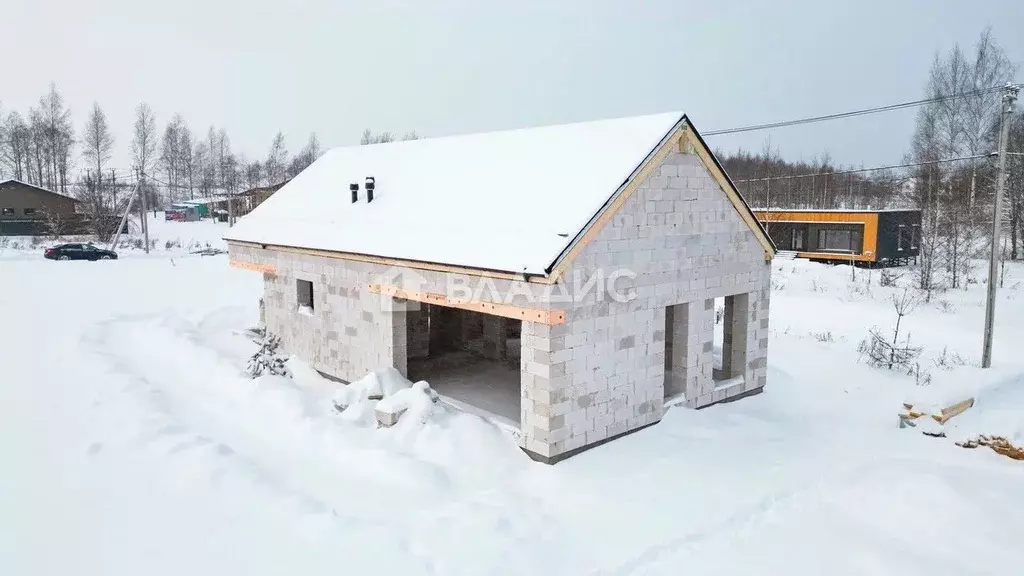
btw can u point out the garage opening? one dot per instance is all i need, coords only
(470, 358)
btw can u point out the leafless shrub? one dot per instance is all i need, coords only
(950, 360)
(946, 306)
(57, 224)
(36, 241)
(881, 353)
(817, 287)
(889, 277)
(921, 377)
(862, 290)
(176, 243)
(823, 336)
(893, 354)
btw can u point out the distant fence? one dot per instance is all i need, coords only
(67, 225)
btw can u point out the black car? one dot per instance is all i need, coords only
(78, 252)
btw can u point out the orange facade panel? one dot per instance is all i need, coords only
(869, 237)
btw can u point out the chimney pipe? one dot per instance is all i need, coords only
(369, 189)
(355, 192)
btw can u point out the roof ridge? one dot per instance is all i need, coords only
(40, 188)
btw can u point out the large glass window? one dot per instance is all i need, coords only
(839, 240)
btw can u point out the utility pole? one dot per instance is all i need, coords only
(113, 187)
(1009, 97)
(124, 218)
(231, 206)
(143, 209)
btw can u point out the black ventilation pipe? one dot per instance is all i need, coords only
(369, 189)
(355, 192)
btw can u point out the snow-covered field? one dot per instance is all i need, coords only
(134, 444)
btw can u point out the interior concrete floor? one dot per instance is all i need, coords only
(490, 386)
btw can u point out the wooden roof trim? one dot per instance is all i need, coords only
(397, 262)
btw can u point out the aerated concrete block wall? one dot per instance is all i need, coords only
(603, 372)
(352, 331)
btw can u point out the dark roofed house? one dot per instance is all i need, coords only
(249, 199)
(30, 210)
(24, 208)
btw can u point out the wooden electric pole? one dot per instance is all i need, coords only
(143, 208)
(1009, 97)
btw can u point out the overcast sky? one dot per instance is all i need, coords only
(336, 67)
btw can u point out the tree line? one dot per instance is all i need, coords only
(953, 184)
(766, 180)
(43, 148)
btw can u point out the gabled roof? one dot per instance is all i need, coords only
(515, 201)
(38, 188)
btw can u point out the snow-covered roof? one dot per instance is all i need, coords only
(509, 201)
(39, 188)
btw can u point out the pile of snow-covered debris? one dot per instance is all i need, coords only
(386, 398)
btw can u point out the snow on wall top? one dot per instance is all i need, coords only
(510, 200)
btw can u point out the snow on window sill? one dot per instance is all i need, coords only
(675, 400)
(306, 310)
(729, 383)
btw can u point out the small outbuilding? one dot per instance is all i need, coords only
(561, 279)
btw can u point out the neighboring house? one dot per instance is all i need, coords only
(26, 209)
(500, 242)
(870, 237)
(247, 200)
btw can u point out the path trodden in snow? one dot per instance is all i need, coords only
(134, 444)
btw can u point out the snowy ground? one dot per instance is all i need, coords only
(165, 238)
(133, 444)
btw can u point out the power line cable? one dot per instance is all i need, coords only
(852, 113)
(860, 170)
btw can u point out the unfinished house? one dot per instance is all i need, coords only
(561, 279)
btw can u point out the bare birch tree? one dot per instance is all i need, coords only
(97, 149)
(369, 137)
(17, 142)
(276, 158)
(58, 138)
(170, 156)
(144, 139)
(309, 153)
(186, 161)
